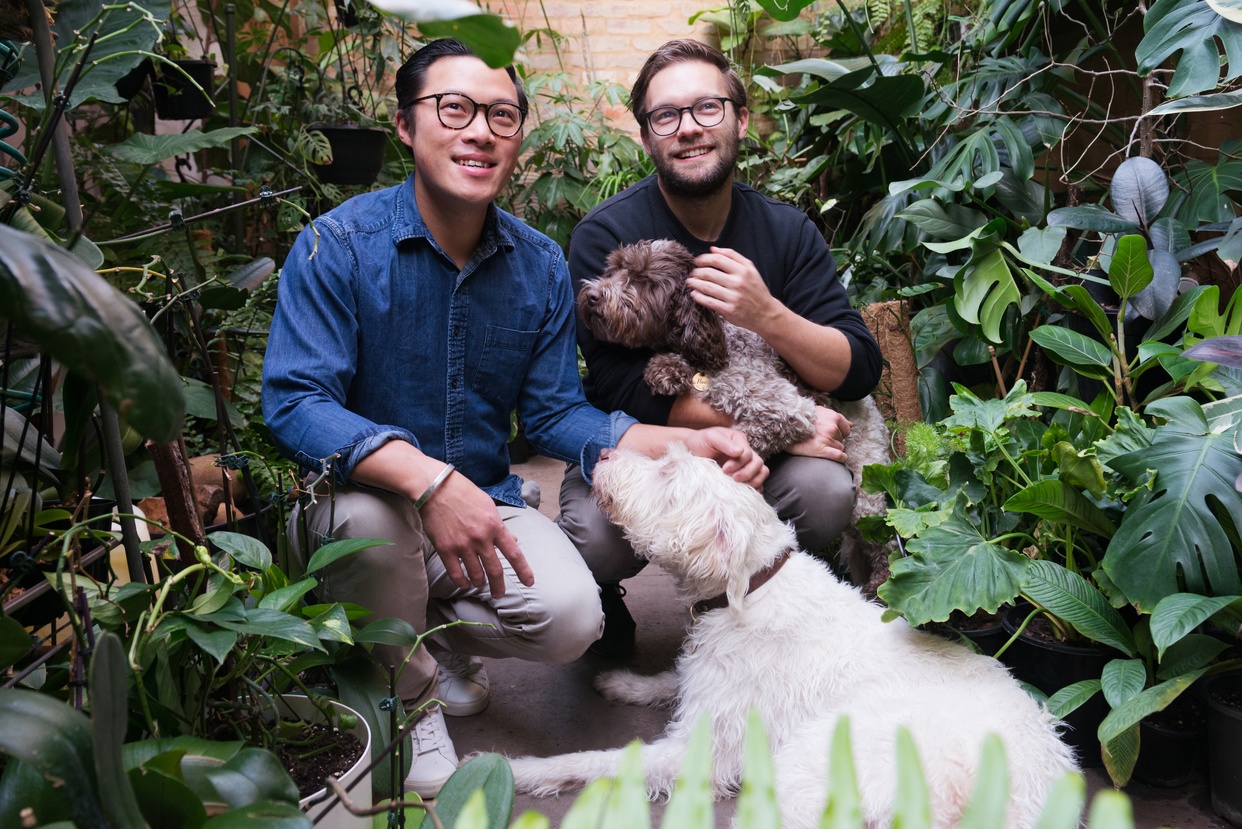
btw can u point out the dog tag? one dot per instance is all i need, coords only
(700, 382)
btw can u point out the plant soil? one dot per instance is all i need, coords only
(1187, 713)
(978, 621)
(1231, 698)
(311, 773)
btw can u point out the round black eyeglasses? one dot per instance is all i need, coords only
(457, 112)
(706, 112)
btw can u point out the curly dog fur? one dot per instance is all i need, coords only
(803, 649)
(641, 301)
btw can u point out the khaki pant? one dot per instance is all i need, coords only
(554, 620)
(816, 495)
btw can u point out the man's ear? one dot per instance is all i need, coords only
(405, 128)
(743, 120)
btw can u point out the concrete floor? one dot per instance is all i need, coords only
(552, 709)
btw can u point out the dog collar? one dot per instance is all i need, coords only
(756, 581)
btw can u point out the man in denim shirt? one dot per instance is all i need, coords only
(410, 323)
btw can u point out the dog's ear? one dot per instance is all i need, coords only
(698, 332)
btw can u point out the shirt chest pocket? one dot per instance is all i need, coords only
(502, 364)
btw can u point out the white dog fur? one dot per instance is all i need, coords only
(803, 649)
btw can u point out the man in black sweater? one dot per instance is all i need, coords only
(760, 263)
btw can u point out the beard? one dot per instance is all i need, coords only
(705, 183)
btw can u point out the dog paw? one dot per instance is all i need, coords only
(539, 776)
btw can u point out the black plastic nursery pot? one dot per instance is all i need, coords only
(1224, 699)
(176, 99)
(1171, 750)
(357, 153)
(1050, 666)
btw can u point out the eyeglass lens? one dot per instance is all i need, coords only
(706, 112)
(457, 111)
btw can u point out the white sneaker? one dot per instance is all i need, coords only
(463, 684)
(435, 759)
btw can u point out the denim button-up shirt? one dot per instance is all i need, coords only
(378, 336)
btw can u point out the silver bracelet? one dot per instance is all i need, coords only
(433, 486)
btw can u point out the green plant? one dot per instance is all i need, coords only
(574, 156)
(623, 801)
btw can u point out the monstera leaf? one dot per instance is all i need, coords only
(1173, 532)
(953, 566)
(1192, 27)
(81, 320)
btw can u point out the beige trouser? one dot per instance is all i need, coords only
(554, 620)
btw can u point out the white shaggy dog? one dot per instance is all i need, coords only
(778, 632)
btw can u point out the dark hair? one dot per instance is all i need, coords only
(413, 73)
(680, 51)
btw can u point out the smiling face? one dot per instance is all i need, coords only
(695, 160)
(464, 169)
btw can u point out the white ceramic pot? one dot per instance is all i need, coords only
(337, 817)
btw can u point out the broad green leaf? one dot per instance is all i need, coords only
(943, 221)
(388, 631)
(243, 548)
(92, 329)
(1139, 190)
(1063, 808)
(1110, 810)
(1122, 679)
(109, 720)
(15, 641)
(952, 567)
(1120, 753)
(912, 809)
(1191, 652)
(886, 101)
(334, 550)
(1193, 28)
(1178, 614)
(691, 804)
(784, 9)
(984, 291)
(1147, 702)
(1172, 535)
(1198, 103)
(263, 621)
(1080, 352)
(286, 598)
(1069, 699)
(1090, 217)
(125, 31)
(1131, 270)
(217, 643)
(756, 803)
(1041, 244)
(489, 773)
(489, 36)
(54, 739)
(1055, 501)
(844, 807)
(1073, 599)
(332, 625)
(1081, 471)
(148, 150)
(989, 800)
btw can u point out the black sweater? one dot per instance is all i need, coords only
(786, 248)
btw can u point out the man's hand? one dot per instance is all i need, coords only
(827, 441)
(466, 530)
(730, 449)
(726, 281)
